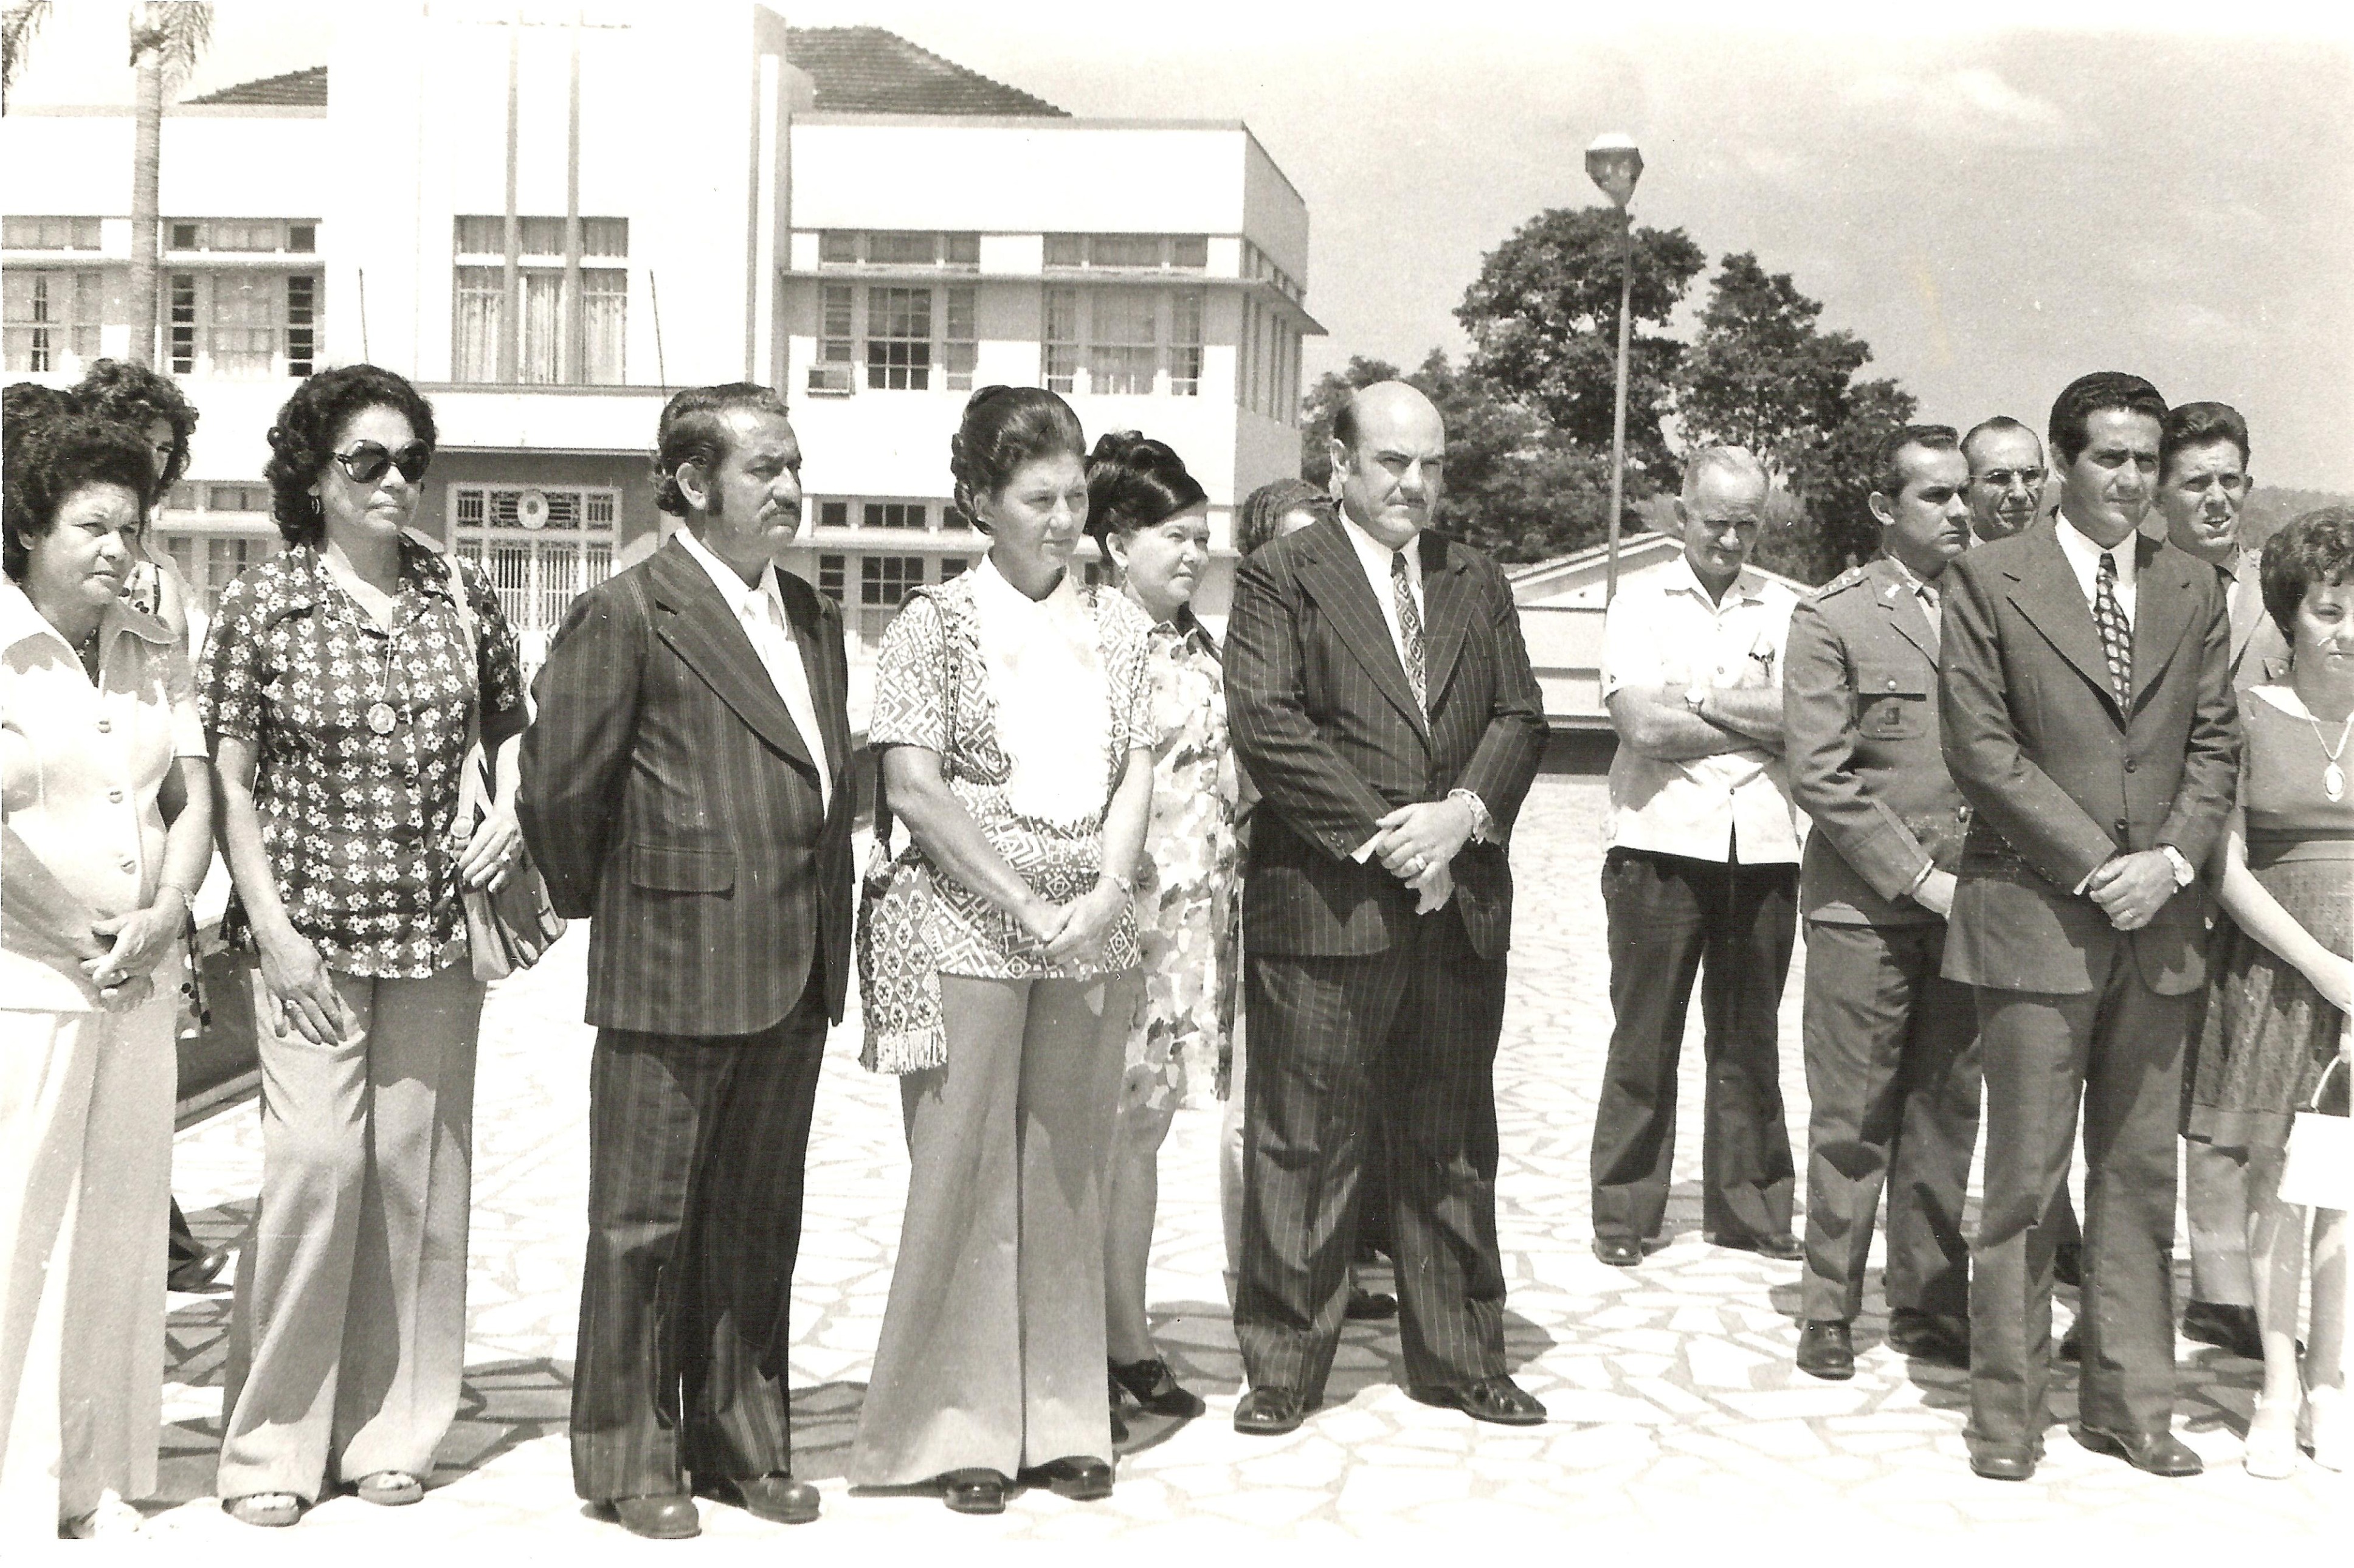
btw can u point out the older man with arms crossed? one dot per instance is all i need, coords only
(685, 784)
(1700, 875)
(1381, 699)
(2088, 716)
(1891, 1043)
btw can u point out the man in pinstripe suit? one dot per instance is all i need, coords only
(684, 786)
(1381, 697)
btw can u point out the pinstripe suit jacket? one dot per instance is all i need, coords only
(1323, 717)
(667, 796)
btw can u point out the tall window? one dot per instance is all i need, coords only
(562, 337)
(829, 576)
(1123, 342)
(885, 579)
(903, 336)
(50, 315)
(959, 338)
(899, 339)
(242, 325)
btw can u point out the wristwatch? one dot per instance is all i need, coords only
(2184, 874)
(1483, 826)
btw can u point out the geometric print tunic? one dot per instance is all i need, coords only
(355, 825)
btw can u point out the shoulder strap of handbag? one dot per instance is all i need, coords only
(473, 784)
(948, 646)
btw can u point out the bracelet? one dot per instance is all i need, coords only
(1127, 884)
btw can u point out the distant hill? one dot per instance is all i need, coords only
(2269, 510)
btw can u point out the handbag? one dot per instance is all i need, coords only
(2319, 1173)
(508, 928)
(898, 972)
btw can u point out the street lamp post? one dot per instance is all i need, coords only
(1614, 164)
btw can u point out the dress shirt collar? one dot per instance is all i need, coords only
(19, 620)
(742, 597)
(1001, 599)
(1919, 585)
(1376, 556)
(1680, 578)
(2084, 557)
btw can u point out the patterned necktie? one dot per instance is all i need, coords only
(1409, 619)
(2116, 636)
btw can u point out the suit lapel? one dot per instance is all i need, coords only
(2162, 600)
(2044, 587)
(1894, 593)
(1445, 612)
(2243, 597)
(1329, 570)
(817, 662)
(698, 626)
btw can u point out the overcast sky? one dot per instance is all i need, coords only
(1994, 210)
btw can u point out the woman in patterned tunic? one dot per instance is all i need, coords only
(2281, 978)
(339, 686)
(1012, 716)
(1152, 520)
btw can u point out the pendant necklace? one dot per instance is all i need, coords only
(380, 716)
(2333, 776)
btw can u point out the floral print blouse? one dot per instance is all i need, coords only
(361, 733)
(932, 690)
(1185, 889)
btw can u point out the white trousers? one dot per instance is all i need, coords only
(85, 1181)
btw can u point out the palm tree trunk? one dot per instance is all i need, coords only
(146, 164)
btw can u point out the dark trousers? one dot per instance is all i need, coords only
(1892, 1076)
(2119, 1050)
(696, 1151)
(1672, 919)
(1415, 1028)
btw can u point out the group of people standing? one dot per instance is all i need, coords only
(2081, 837)
(1123, 838)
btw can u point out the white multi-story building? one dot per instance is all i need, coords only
(550, 222)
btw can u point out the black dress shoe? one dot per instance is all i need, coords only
(2071, 1343)
(2232, 1326)
(1154, 1388)
(1497, 1399)
(665, 1516)
(1825, 1350)
(1118, 1422)
(1782, 1248)
(2068, 1267)
(973, 1492)
(775, 1496)
(1269, 1413)
(1941, 1339)
(200, 1271)
(2154, 1452)
(1619, 1252)
(1081, 1478)
(1370, 1306)
(2003, 1463)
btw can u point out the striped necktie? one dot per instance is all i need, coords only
(1409, 619)
(2117, 633)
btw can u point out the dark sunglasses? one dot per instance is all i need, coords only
(367, 461)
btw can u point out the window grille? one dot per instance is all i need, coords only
(894, 514)
(830, 577)
(898, 339)
(885, 579)
(50, 315)
(959, 334)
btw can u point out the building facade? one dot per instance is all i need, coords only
(519, 213)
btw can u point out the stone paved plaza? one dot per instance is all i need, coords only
(1677, 1420)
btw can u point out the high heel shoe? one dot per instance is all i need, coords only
(2271, 1453)
(2321, 1425)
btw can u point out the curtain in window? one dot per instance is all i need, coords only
(540, 361)
(244, 324)
(481, 307)
(1123, 347)
(605, 294)
(1062, 339)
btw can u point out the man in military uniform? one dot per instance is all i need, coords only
(1891, 1045)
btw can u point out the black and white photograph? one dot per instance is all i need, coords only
(1057, 781)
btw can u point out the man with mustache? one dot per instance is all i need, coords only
(2088, 716)
(686, 785)
(2007, 477)
(1891, 1043)
(1701, 868)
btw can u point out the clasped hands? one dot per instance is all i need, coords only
(2132, 888)
(1418, 844)
(122, 975)
(1062, 932)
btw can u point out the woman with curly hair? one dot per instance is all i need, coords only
(106, 807)
(340, 679)
(152, 406)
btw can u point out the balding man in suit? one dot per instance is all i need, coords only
(2088, 716)
(1381, 697)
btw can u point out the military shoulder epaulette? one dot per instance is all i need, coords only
(1846, 579)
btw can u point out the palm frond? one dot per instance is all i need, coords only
(175, 31)
(17, 26)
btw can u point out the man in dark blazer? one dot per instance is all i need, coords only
(1891, 1043)
(685, 785)
(1381, 698)
(2086, 698)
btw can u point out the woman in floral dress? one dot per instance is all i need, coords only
(1152, 521)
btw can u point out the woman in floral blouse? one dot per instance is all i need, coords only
(1153, 521)
(1011, 710)
(338, 686)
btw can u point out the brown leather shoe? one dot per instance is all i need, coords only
(775, 1496)
(1496, 1399)
(973, 1492)
(2220, 1323)
(663, 1516)
(2002, 1462)
(2152, 1453)
(1825, 1350)
(1269, 1413)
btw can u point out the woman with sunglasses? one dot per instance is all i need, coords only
(340, 681)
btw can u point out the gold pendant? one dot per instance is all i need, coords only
(379, 719)
(2333, 782)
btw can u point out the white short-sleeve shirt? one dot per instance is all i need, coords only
(1663, 631)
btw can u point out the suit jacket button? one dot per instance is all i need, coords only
(1892, 682)
(2121, 827)
(2129, 764)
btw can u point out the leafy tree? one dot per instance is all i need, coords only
(1832, 527)
(1760, 374)
(1543, 316)
(17, 26)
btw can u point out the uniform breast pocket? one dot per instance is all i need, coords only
(1892, 704)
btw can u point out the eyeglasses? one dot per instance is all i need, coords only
(2004, 478)
(367, 461)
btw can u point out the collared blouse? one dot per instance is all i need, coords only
(81, 767)
(356, 814)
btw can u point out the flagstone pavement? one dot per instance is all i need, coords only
(1676, 1417)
